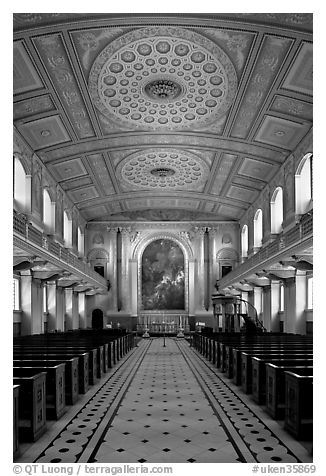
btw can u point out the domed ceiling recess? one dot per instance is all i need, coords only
(160, 117)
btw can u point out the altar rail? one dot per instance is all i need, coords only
(162, 323)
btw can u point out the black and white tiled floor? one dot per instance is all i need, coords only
(165, 404)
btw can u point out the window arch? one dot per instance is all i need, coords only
(258, 228)
(67, 229)
(80, 241)
(48, 211)
(244, 241)
(303, 185)
(277, 210)
(20, 184)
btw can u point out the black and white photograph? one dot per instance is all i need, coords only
(163, 284)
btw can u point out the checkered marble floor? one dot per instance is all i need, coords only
(164, 404)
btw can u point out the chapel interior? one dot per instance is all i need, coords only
(162, 238)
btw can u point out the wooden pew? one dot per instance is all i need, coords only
(233, 355)
(32, 406)
(83, 362)
(275, 387)
(52, 349)
(259, 373)
(236, 373)
(71, 374)
(15, 421)
(299, 403)
(54, 389)
(246, 363)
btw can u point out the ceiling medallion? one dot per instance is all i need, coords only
(163, 169)
(162, 78)
(162, 172)
(163, 90)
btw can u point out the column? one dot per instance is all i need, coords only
(201, 269)
(133, 266)
(52, 305)
(191, 290)
(68, 309)
(258, 300)
(295, 303)
(112, 267)
(275, 306)
(81, 311)
(31, 304)
(266, 307)
(75, 313)
(212, 264)
(125, 289)
(60, 309)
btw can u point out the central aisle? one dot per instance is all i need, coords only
(164, 404)
(165, 416)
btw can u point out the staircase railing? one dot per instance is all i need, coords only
(258, 323)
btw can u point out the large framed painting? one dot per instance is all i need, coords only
(163, 276)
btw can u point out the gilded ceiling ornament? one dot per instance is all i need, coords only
(163, 78)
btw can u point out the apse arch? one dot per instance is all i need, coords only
(187, 255)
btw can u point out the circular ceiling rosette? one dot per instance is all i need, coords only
(162, 78)
(163, 169)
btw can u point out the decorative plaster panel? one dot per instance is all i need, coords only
(25, 76)
(140, 140)
(90, 42)
(94, 212)
(115, 207)
(162, 215)
(240, 193)
(99, 167)
(57, 64)
(248, 182)
(281, 132)
(68, 169)
(44, 132)
(83, 194)
(266, 68)
(236, 44)
(29, 107)
(162, 78)
(256, 169)
(222, 172)
(292, 107)
(299, 78)
(224, 210)
(76, 183)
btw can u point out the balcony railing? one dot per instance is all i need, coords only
(35, 236)
(302, 230)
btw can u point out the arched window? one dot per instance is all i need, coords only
(20, 186)
(67, 230)
(244, 241)
(258, 228)
(48, 211)
(277, 211)
(303, 185)
(80, 241)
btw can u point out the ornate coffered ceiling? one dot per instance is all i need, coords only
(163, 115)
